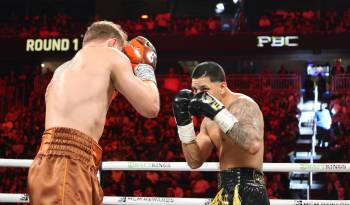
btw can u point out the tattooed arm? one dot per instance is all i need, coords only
(242, 121)
(249, 130)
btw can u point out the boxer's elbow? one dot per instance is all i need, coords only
(194, 164)
(151, 111)
(154, 112)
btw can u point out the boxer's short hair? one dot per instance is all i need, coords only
(105, 30)
(209, 69)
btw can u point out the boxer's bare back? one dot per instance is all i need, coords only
(81, 90)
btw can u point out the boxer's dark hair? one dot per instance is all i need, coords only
(105, 30)
(209, 69)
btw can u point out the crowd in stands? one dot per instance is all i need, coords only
(273, 21)
(292, 22)
(128, 136)
(338, 186)
(62, 25)
(59, 25)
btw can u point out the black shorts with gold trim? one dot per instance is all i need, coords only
(241, 186)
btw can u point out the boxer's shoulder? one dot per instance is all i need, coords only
(116, 55)
(241, 96)
(115, 52)
(241, 99)
(103, 52)
(108, 57)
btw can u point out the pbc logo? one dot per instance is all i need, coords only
(277, 41)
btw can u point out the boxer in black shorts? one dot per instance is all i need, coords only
(233, 124)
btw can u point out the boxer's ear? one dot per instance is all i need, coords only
(223, 86)
(113, 43)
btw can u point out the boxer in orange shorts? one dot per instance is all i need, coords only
(77, 99)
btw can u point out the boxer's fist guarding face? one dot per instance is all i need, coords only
(141, 51)
(204, 103)
(180, 107)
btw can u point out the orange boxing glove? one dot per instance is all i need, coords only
(143, 57)
(140, 50)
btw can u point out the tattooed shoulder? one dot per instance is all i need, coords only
(244, 108)
(249, 116)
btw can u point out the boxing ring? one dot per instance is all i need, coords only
(182, 166)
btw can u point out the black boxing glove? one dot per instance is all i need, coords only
(183, 117)
(180, 107)
(204, 103)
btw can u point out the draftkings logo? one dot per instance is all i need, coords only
(329, 167)
(141, 165)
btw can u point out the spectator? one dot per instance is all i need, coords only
(264, 23)
(323, 122)
(338, 68)
(282, 70)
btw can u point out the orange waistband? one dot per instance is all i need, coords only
(71, 143)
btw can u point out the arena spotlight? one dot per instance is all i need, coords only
(235, 1)
(144, 16)
(219, 8)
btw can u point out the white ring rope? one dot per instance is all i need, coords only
(207, 166)
(23, 198)
(182, 166)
